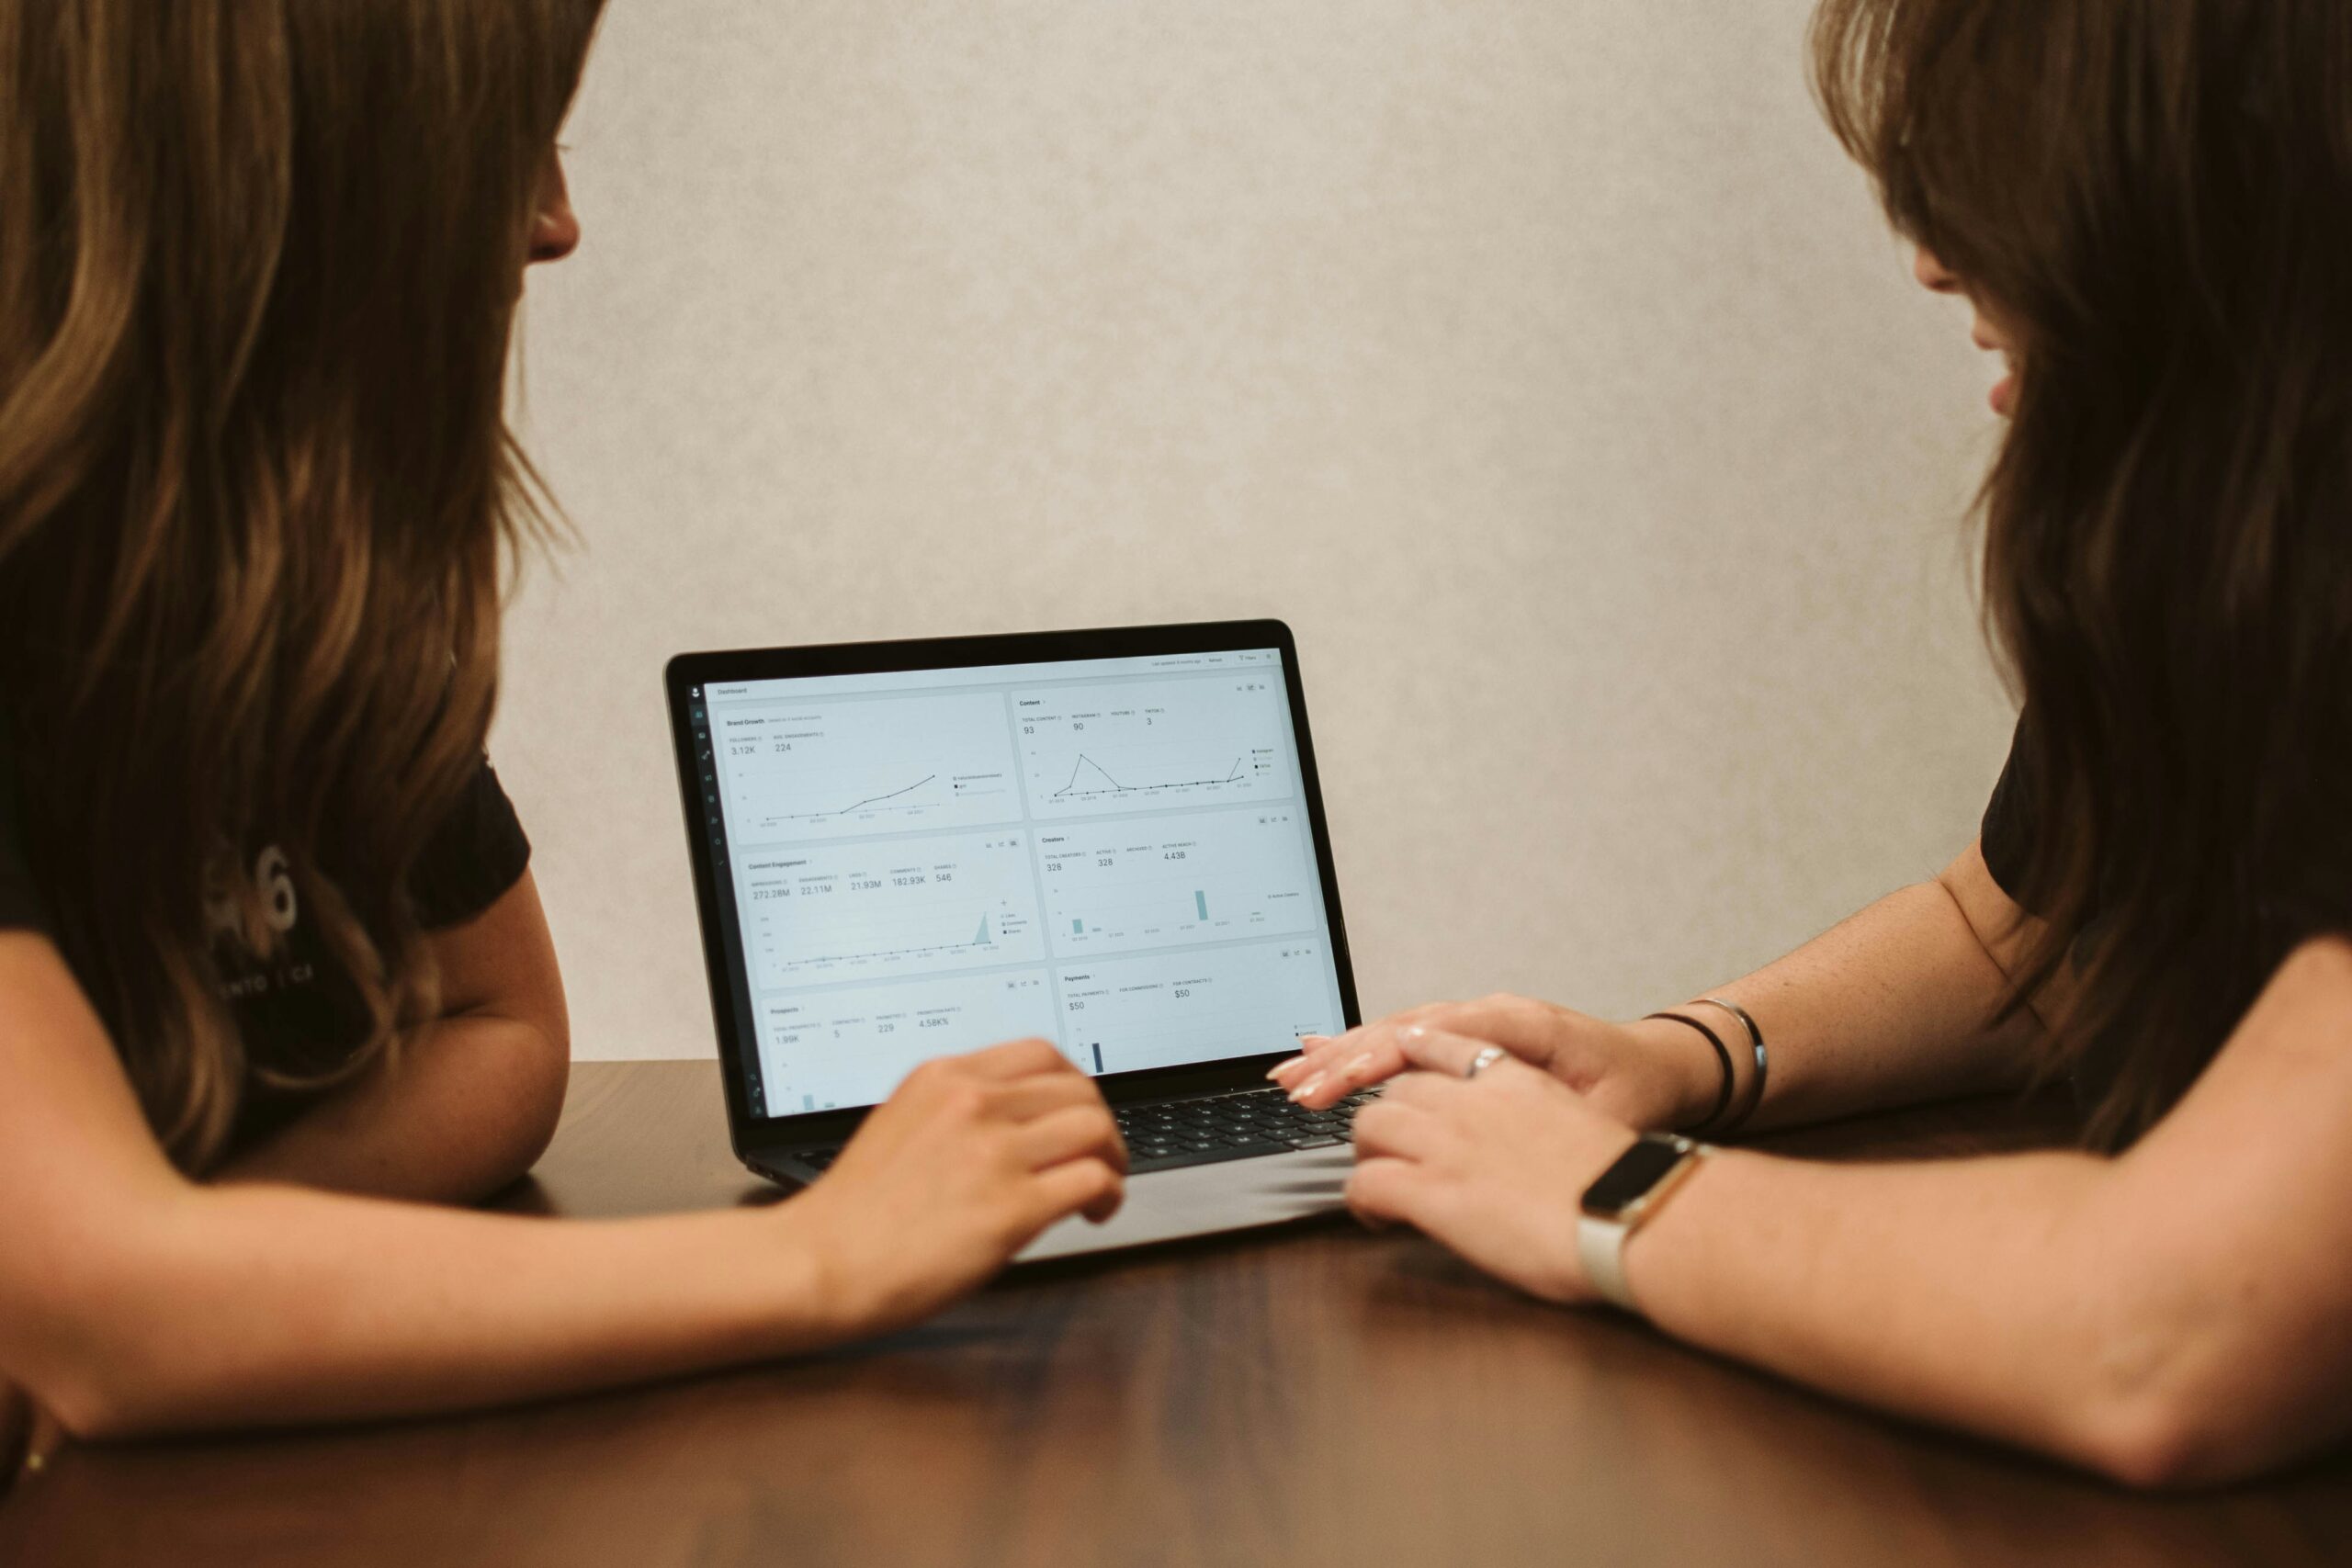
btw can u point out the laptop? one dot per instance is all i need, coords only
(1111, 840)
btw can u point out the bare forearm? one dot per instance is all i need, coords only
(466, 1107)
(462, 1111)
(1893, 1005)
(1971, 1294)
(296, 1306)
(2171, 1315)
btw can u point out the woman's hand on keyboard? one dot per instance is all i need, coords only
(1488, 1169)
(1647, 1075)
(956, 1172)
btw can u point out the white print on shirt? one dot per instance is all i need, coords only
(273, 879)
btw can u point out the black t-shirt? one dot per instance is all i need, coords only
(2006, 840)
(300, 1015)
(2008, 834)
(2276, 924)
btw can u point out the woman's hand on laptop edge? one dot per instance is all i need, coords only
(952, 1174)
(1648, 1075)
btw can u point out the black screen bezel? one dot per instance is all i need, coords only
(723, 952)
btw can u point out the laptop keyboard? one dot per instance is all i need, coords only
(1166, 1134)
(1231, 1126)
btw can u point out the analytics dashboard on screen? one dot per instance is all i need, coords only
(1115, 854)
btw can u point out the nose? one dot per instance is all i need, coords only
(555, 234)
(555, 230)
(1933, 275)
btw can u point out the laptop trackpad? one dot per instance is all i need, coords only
(1205, 1199)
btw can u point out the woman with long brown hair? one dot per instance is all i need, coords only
(2149, 203)
(270, 952)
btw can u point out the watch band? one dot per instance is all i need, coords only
(1602, 1233)
(1601, 1248)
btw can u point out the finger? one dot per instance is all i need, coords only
(1304, 1066)
(1378, 1052)
(1359, 1059)
(1527, 1028)
(1307, 1045)
(1076, 1132)
(1442, 1051)
(1387, 1192)
(1379, 1035)
(1377, 1059)
(1321, 1056)
(1016, 1058)
(1088, 1187)
(1316, 1054)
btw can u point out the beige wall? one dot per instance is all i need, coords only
(1544, 363)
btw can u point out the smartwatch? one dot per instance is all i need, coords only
(1627, 1194)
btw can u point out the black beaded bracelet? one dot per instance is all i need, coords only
(1722, 1060)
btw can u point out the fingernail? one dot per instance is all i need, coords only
(1283, 1069)
(1311, 1040)
(1356, 1068)
(1305, 1090)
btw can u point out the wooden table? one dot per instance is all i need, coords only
(1316, 1396)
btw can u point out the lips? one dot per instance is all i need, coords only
(2005, 395)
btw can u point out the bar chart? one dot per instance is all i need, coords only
(1117, 887)
(1163, 1009)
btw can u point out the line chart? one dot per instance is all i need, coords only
(800, 771)
(878, 799)
(1144, 745)
(1085, 761)
(888, 909)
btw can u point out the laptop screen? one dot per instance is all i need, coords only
(1115, 854)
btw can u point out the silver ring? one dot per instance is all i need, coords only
(1482, 1061)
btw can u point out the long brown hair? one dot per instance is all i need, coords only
(2155, 197)
(259, 265)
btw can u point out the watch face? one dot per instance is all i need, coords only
(1636, 1171)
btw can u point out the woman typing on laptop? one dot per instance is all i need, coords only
(2145, 203)
(271, 960)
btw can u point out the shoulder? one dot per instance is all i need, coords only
(2319, 972)
(475, 856)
